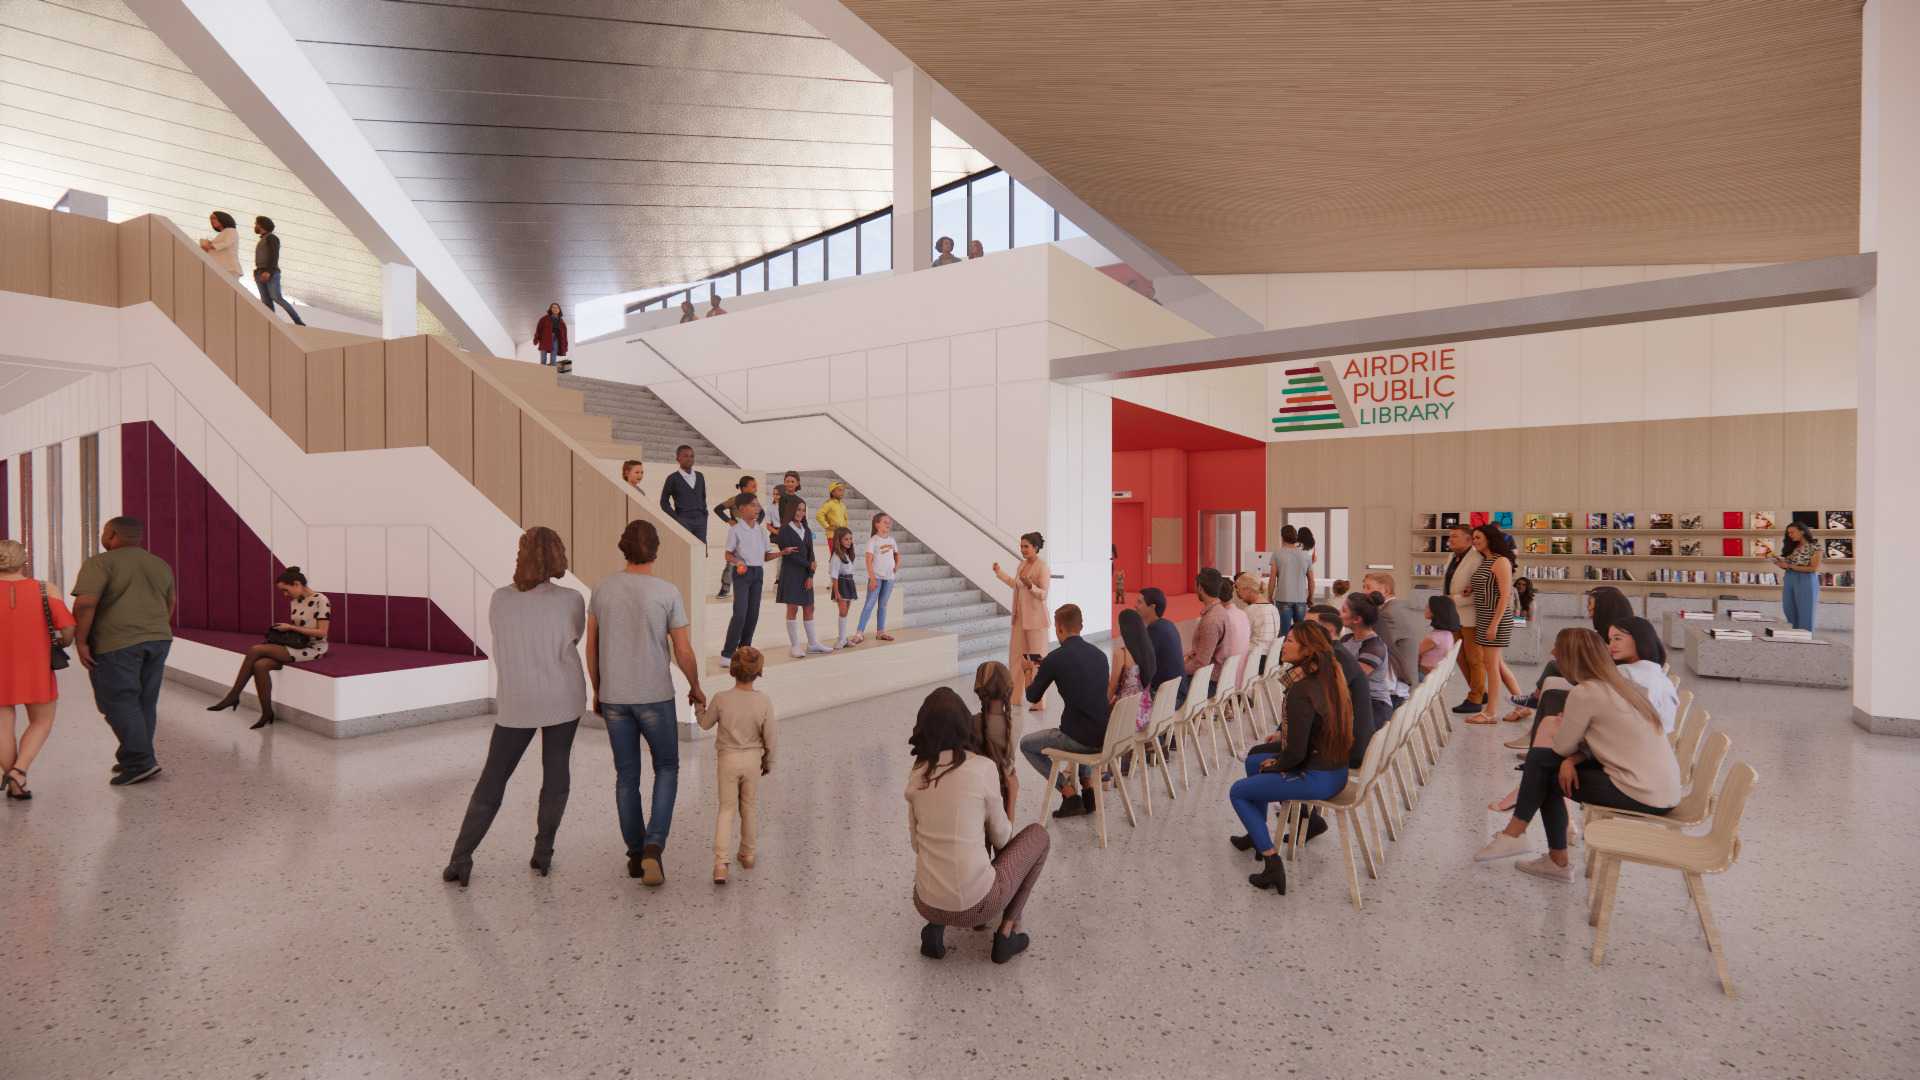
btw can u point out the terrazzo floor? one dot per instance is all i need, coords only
(271, 906)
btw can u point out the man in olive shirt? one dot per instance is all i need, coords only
(124, 602)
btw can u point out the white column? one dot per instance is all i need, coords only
(399, 300)
(1886, 688)
(912, 170)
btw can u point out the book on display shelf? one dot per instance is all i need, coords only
(1808, 518)
(1746, 615)
(1660, 521)
(1623, 545)
(1561, 519)
(1478, 517)
(1840, 519)
(1449, 520)
(1427, 522)
(1839, 549)
(1693, 521)
(1538, 545)
(1430, 543)
(1692, 548)
(1761, 548)
(1840, 580)
(1536, 521)
(1503, 518)
(1562, 545)
(1733, 519)
(1623, 519)
(1596, 545)
(1788, 633)
(1597, 520)
(1762, 519)
(1660, 546)
(1701, 616)
(1728, 633)
(1733, 547)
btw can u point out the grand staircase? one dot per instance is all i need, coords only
(932, 595)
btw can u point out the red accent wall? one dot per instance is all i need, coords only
(1189, 471)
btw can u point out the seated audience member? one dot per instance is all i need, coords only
(993, 686)
(1606, 605)
(955, 814)
(1167, 650)
(1369, 650)
(1400, 626)
(1080, 671)
(1444, 618)
(1609, 750)
(1338, 590)
(1308, 758)
(1636, 647)
(1368, 717)
(1209, 636)
(1329, 619)
(1238, 640)
(1133, 665)
(1264, 618)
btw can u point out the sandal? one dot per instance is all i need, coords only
(1482, 718)
(1505, 804)
(883, 636)
(17, 789)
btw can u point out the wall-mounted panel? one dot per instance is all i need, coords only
(326, 401)
(25, 249)
(136, 284)
(220, 302)
(160, 242)
(1676, 460)
(85, 259)
(406, 378)
(1747, 460)
(252, 363)
(365, 382)
(1818, 451)
(599, 517)
(450, 408)
(546, 480)
(287, 365)
(189, 294)
(496, 448)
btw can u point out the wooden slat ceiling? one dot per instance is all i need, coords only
(1300, 135)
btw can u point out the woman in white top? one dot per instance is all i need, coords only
(1638, 651)
(1264, 618)
(954, 814)
(883, 559)
(224, 245)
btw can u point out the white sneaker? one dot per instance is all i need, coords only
(1545, 867)
(817, 647)
(1503, 846)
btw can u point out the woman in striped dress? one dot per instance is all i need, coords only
(1493, 601)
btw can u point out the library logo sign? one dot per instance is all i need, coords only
(1414, 387)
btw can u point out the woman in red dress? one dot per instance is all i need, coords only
(29, 625)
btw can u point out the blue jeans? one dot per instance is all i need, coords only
(746, 609)
(1054, 739)
(1252, 796)
(1290, 613)
(548, 359)
(876, 596)
(626, 726)
(126, 687)
(270, 294)
(1798, 598)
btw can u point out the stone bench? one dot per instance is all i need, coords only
(1793, 663)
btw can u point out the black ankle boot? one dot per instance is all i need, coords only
(1273, 877)
(933, 941)
(542, 862)
(1243, 842)
(1008, 946)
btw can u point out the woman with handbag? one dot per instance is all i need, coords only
(35, 629)
(301, 641)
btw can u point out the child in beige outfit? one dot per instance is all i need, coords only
(743, 750)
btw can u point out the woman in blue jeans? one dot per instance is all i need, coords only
(1308, 760)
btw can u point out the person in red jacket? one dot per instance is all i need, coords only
(550, 337)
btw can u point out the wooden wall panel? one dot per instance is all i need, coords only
(252, 364)
(160, 243)
(1492, 473)
(365, 385)
(1747, 461)
(546, 480)
(1549, 471)
(1676, 462)
(450, 408)
(189, 294)
(287, 364)
(85, 262)
(1440, 469)
(496, 448)
(136, 283)
(26, 257)
(220, 302)
(1610, 467)
(599, 517)
(1819, 451)
(406, 376)
(1377, 534)
(326, 401)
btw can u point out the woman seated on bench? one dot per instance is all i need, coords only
(311, 613)
(1608, 749)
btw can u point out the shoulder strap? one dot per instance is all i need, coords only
(46, 612)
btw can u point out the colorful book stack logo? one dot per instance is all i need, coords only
(1312, 400)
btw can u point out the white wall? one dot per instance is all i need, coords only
(1777, 360)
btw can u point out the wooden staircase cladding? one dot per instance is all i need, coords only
(524, 442)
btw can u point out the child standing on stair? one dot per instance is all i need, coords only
(795, 589)
(840, 556)
(883, 559)
(832, 514)
(743, 753)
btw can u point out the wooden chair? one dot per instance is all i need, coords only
(1680, 713)
(1346, 810)
(1694, 807)
(1686, 741)
(1621, 840)
(1222, 703)
(1150, 745)
(1187, 721)
(1120, 738)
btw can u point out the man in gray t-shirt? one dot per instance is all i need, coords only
(1292, 570)
(636, 625)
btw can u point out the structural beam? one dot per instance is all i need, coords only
(1813, 281)
(244, 54)
(1176, 290)
(912, 170)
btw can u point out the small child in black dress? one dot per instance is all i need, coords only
(796, 576)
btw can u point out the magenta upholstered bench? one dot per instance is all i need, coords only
(342, 660)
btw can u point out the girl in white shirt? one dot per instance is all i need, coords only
(1638, 652)
(883, 559)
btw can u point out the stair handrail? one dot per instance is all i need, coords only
(1000, 539)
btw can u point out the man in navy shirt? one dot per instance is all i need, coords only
(1080, 671)
(684, 495)
(1167, 650)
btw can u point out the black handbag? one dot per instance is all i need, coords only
(56, 653)
(288, 639)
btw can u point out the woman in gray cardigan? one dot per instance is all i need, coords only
(537, 627)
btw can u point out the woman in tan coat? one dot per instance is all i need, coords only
(1030, 615)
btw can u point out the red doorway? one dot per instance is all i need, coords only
(1130, 543)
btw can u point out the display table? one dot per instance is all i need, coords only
(1794, 663)
(1673, 628)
